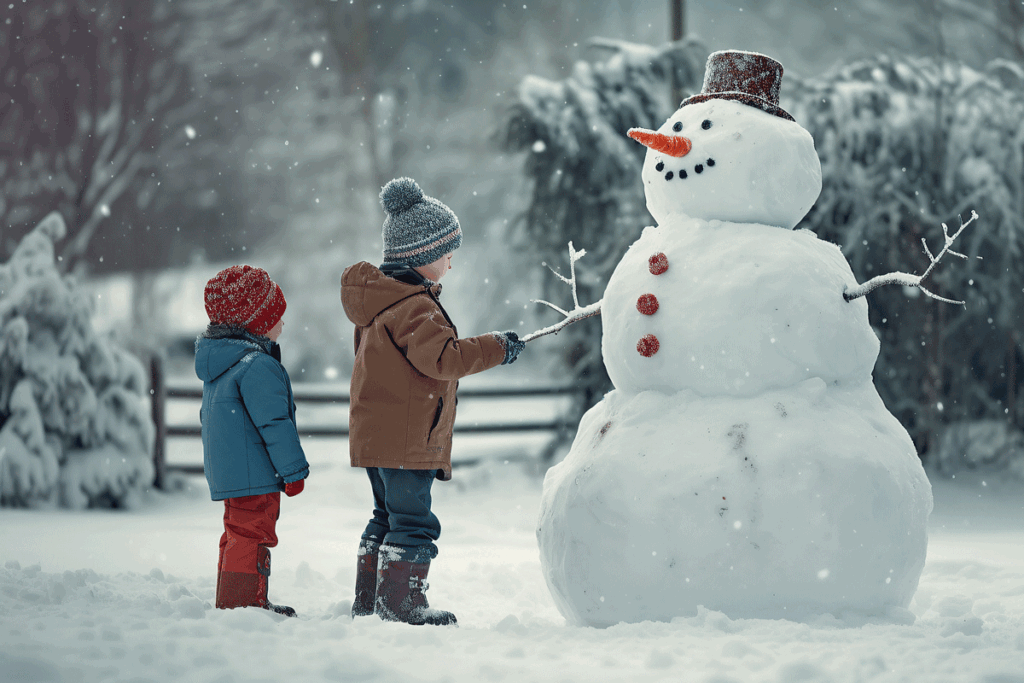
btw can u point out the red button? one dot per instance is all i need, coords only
(647, 304)
(658, 263)
(648, 345)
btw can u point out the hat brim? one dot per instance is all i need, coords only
(745, 98)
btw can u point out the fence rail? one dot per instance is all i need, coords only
(161, 393)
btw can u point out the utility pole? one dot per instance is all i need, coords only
(677, 20)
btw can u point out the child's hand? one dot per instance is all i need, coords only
(513, 346)
(294, 488)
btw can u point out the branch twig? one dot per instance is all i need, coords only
(577, 313)
(908, 280)
(574, 317)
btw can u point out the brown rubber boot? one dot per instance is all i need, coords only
(366, 578)
(400, 597)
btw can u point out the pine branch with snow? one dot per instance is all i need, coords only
(578, 312)
(908, 280)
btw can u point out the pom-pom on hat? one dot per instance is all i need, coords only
(418, 229)
(244, 296)
(748, 77)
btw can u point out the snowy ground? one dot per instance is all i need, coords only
(114, 596)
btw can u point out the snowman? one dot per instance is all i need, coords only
(744, 462)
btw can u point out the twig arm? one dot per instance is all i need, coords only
(907, 280)
(577, 313)
(897, 278)
(574, 317)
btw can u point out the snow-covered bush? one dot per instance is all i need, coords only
(906, 144)
(75, 428)
(982, 445)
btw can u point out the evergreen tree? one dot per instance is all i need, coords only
(75, 428)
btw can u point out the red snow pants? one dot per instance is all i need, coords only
(244, 564)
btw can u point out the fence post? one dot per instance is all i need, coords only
(158, 395)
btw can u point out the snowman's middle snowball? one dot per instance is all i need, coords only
(743, 309)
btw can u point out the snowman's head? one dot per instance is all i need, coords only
(726, 160)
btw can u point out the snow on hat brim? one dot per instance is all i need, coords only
(751, 100)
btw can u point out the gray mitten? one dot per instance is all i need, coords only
(513, 346)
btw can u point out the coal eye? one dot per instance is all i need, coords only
(678, 126)
(706, 124)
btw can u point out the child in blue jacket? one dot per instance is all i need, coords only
(251, 449)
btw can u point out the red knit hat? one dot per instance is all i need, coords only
(246, 297)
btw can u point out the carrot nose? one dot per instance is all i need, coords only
(673, 145)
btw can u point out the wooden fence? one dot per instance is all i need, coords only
(162, 393)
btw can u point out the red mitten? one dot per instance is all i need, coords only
(294, 488)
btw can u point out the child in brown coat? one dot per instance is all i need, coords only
(409, 359)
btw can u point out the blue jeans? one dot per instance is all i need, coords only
(401, 512)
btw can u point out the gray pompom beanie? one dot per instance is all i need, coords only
(418, 229)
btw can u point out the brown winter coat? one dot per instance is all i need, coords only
(409, 359)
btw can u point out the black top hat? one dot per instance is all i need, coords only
(746, 77)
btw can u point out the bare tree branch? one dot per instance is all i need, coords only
(908, 280)
(137, 99)
(86, 137)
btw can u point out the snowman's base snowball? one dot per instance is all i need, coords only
(797, 502)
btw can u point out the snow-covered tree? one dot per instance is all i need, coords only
(75, 428)
(906, 144)
(86, 86)
(586, 173)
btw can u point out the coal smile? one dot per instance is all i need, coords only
(682, 173)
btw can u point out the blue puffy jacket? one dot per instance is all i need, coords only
(250, 444)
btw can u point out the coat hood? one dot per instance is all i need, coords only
(366, 290)
(222, 346)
